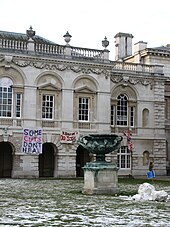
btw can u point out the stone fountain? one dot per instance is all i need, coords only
(100, 177)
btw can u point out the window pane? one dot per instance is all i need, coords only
(47, 106)
(122, 161)
(112, 115)
(122, 110)
(5, 97)
(83, 109)
(18, 105)
(132, 116)
(124, 158)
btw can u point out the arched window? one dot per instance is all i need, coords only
(122, 110)
(6, 97)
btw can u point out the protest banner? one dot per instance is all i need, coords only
(32, 141)
(68, 137)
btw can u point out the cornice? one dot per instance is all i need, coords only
(155, 52)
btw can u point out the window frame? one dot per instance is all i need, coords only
(131, 113)
(84, 110)
(18, 106)
(122, 108)
(48, 101)
(124, 158)
(6, 102)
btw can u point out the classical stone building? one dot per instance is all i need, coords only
(59, 92)
(159, 56)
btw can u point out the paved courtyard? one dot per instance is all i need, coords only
(33, 203)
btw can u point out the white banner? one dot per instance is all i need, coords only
(32, 141)
(68, 137)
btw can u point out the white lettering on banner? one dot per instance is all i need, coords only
(32, 141)
(68, 137)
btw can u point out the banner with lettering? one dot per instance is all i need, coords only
(68, 137)
(32, 141)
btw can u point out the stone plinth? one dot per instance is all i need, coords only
(100, 178)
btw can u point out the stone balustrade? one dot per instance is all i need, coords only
(13, 44)
(67, 51)
(49, 49)
(86, 53)
(157, 69)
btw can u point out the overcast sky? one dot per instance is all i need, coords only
(89, 21)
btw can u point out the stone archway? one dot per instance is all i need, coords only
(82, 158)
(6, 160)
(47, 161)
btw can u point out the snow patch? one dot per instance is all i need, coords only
(147, 192)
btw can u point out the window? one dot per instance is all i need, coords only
(124, 158)
(112, 114)
(132, 116)
(47, 106)
(18, 104)
(83, 109)
(6, 96)
(122, 110)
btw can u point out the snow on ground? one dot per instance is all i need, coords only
(33, 203)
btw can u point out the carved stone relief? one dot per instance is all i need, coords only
(77, 68)
(13, 74)
(49, 79)
(85, 83)
(125, 80)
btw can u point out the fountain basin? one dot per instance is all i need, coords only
(100, 144)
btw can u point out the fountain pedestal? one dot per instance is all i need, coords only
(100, 178)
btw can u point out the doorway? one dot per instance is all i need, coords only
(81, 159)
(46, 161)
(6, 160)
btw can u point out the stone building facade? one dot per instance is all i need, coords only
(75, 91)
(159, 56)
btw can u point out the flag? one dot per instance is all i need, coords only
(129, 139)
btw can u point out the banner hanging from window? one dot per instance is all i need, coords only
(32, 141)
(68, 137)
